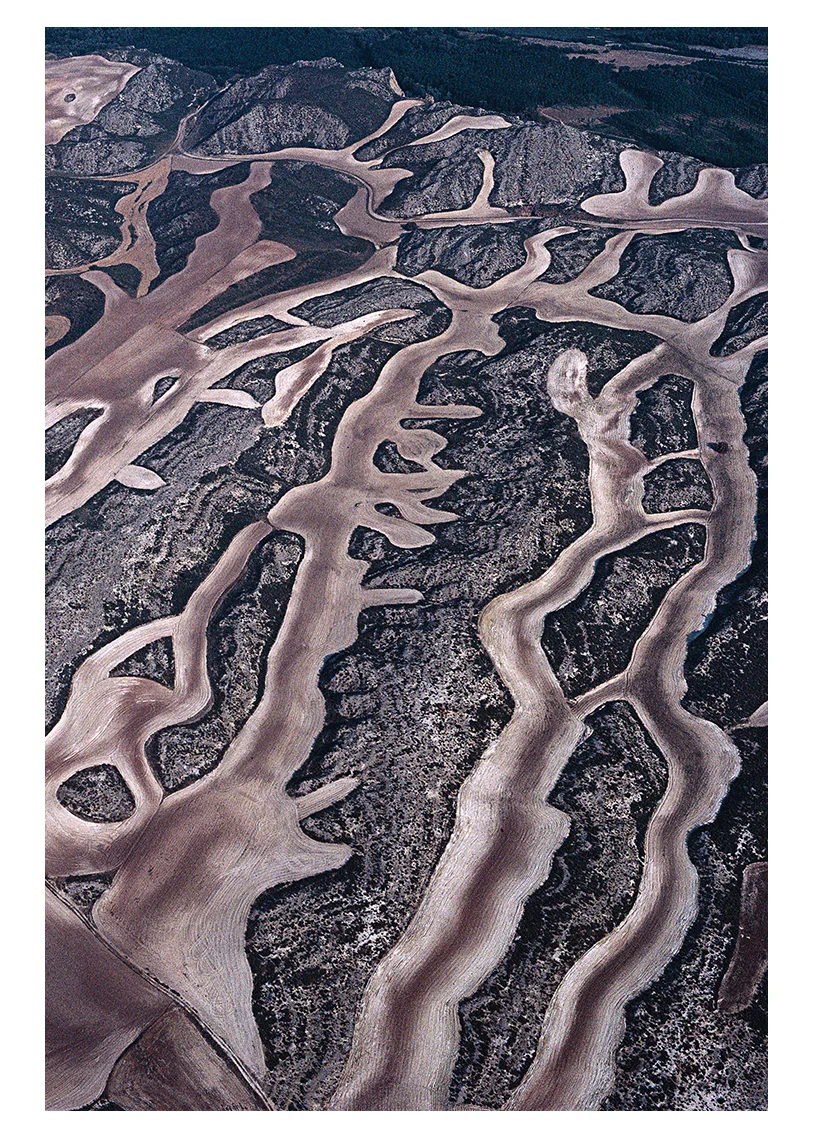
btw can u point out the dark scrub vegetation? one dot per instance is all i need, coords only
(714, 109)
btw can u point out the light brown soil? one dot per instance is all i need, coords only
(190, 865)
(76, 89)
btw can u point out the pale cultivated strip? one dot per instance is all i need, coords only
(480, 211)
(229, 397)
(170, 918)
(280, 304)
(715, 197)
(116, 364)
(574, 1067)
(97, 1005)
(505, 835)
(131, 423)
(178, 906)
(92, 80)
(55, 328)
(169, 305)
(137, 246)
(179, 903)
(79, 373)
(462, 122)
(294, 381)
(173, 1066)
(281, 850)
(258, 840)
(139, 478)
(83, 979)
(109, 719)
(379, 181)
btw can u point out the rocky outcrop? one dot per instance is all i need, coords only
(745, 322)
(679, 484)
(136, 126)
(78, 301)
(298, 207)
(540, 165)
(127, 277)
(753, 179)
(82, 224)
(311, 266)
(554, 165)
(662, 421)
(476, 255)
(183, 213)
(317, 103)
(245, 331)
(431, 318)
(608, 791)
(97, 794)
(97, 559)
(82, 893)
(446, 176)
(677, 176)
(591, 639)
(684, 275)
(155, 661)
(573, 252)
